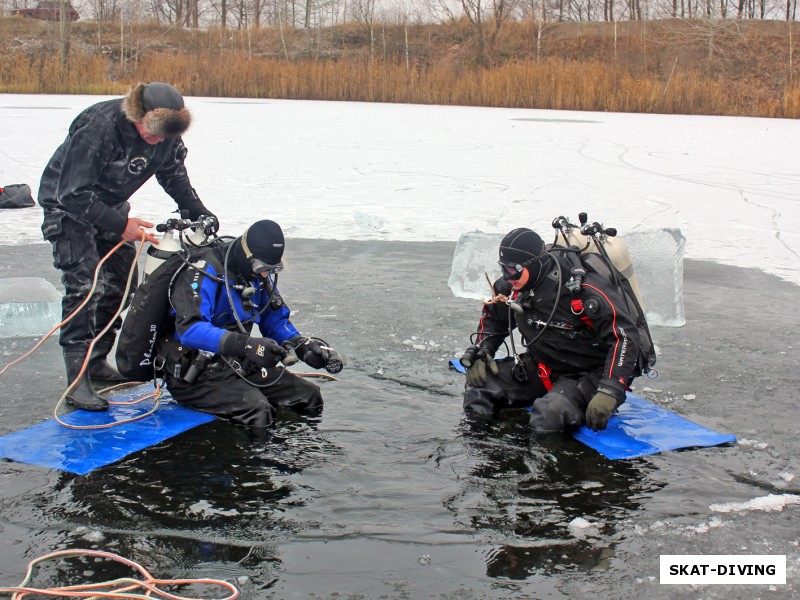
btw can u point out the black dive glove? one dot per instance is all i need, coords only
(311, 351)
(264, 352)
(189, 204)
(210, 222)
(599, 410)
(260, 351)
(479, 364)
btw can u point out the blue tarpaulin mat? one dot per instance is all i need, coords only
(640, 428)
(50, 444)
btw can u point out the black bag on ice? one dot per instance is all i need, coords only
(16, 195)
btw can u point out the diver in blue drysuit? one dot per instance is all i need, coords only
(212, 363)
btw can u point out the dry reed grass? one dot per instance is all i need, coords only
(607, 72)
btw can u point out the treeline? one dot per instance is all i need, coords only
(243, 14)
(658, 67)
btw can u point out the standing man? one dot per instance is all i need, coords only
(112, 148)
(581, 343)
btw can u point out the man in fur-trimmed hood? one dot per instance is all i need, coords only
(159, 108)
(112, 148)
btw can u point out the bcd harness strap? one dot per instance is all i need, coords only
(544, 375)
(576, 276)
(178, 360)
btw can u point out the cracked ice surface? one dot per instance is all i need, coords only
(431, 173)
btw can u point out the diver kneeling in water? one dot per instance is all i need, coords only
(212, 364)
(582, 347)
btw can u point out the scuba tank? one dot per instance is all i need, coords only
(604, 253)
(168, 245)
(590, 238)
(620, 256)
(157, 255)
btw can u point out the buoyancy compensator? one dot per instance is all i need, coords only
(601, 251)
(148, 319)
(594, 239)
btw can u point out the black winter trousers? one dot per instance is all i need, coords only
(563, 408)
(221, 392)
(77, 250)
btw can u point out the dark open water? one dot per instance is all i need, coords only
(389, 494)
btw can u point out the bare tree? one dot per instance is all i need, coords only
(169, 11)
(535, 11)
(363, 12)
(64, 31)
(487, 18)
(258, 11)
(106, 10)
(401, 13)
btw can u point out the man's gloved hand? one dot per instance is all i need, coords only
(264, 352)
(311, 351)
(478, 373)
(210, 222)
(599, 410)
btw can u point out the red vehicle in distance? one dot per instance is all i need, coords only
(48, 11)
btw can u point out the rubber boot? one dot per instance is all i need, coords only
(82, 395)
(99, 369)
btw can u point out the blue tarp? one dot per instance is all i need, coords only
(50, 444)
(640, 428)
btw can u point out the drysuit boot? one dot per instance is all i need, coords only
(82, 395)
(99, 369)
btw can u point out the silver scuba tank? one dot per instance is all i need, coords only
(167, 247)
(620, 256)
(158, 254)
(615, 247)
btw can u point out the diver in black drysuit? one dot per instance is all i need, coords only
(112, 148)
(579, 358)
(201, 308)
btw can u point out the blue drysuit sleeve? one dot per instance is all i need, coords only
(195, 299)
(203, 312)
(275, 324)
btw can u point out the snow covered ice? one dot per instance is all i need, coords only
(725, 189)
(384, 175)
(398, 172)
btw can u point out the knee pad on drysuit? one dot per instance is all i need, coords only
(554, 413)
(256, 411)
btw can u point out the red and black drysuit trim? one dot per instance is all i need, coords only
(589, 331)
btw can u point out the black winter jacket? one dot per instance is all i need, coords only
(103, 161)
(605, 338)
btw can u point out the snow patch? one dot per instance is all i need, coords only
(770, 503)
(580, 527)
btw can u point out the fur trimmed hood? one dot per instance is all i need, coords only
(159, 107)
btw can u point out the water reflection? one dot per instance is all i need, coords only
(212, 496)
(547, 504)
